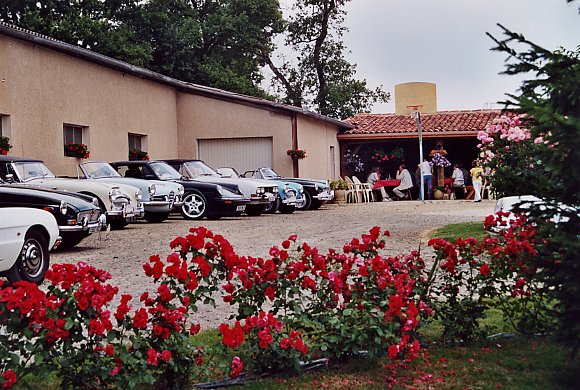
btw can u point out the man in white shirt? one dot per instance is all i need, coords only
(374, 176)
(427, 177)
(406, 182)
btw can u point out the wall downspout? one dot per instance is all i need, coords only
(295, 169)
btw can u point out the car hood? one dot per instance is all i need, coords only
(79, 202)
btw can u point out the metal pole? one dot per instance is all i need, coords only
(420, 130)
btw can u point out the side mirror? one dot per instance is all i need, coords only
(10, 178)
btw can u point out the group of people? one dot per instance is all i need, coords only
(460, 176)
(403, 176)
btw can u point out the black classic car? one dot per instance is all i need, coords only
(316, 192)
(77, 215)
(199, 200)
(260, 192)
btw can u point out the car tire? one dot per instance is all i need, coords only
(194, 206)
(287, 209)
(70, 240)
(156, 217)
(255, 210)
(33, 260)
(272, 207)
(307, 203)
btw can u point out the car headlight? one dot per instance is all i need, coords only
(96, 202)
(219, 189)
(181, 190)
(260, 190)
(152, 189)
(63, 207)
(139, 194)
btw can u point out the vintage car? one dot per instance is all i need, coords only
(120, 202)
(158, 197)
(77, 215)
(260, 192)
(289, 196)
(200, 199)
(554, 212)
(316, 192)
(26, 236)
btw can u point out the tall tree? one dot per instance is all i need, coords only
(98, 25)
(550, 100)
(321, 77)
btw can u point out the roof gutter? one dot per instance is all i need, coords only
(377, 136)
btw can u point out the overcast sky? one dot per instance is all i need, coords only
(444, 42)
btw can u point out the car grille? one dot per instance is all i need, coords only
(166, 198)
(91, 216)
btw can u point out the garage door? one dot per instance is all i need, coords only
(241, 153)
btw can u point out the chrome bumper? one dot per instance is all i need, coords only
(95, 226)
(325, 195)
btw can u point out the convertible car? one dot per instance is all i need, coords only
(26, 236)
(120, 202)
(77, 215)
(290, 195)
(158, 197)
(200, 199)
(316, 192)
(260, 192)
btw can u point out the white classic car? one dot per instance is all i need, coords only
(120, 202)
(260, 192)
(26, 236)
(158, 199)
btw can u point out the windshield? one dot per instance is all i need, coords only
(164, 171)
(198, 168)
(29, 170)
(97, 170)
(269, 173)
(228, 172)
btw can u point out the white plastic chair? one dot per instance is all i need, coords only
(365, 188)
(352, 192)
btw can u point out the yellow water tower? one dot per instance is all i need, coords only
(408, 95)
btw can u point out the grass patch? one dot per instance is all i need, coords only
(464, 230)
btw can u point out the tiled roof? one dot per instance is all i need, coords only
(464, 122)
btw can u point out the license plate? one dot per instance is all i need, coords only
(241, 208)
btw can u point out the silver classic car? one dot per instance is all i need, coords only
(120, 202)
(158, 199)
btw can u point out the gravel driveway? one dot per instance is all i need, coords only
(124, 252)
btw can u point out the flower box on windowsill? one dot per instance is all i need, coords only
(296, 154)
(5, 145)
(138, 154)
(76, 150)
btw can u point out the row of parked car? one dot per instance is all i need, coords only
(112, 195)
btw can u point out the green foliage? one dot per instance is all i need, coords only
(551, 102)
(321, 77)
(339, 185)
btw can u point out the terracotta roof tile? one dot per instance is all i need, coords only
(464, 121)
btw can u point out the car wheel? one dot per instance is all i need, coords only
(307, 203)
(33, 261)
(255, 210)
(272, 207)
(194, 206)
(287, 209)
(156, 217)
(72, 239)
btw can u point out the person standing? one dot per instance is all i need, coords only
(427, 170)
(406, 181)
(374, 176)
(476, 173)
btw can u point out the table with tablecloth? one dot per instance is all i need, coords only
(386, 183)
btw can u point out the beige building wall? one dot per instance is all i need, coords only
(323, 154)
(41, 89)
(207, 118)
(415, 94)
